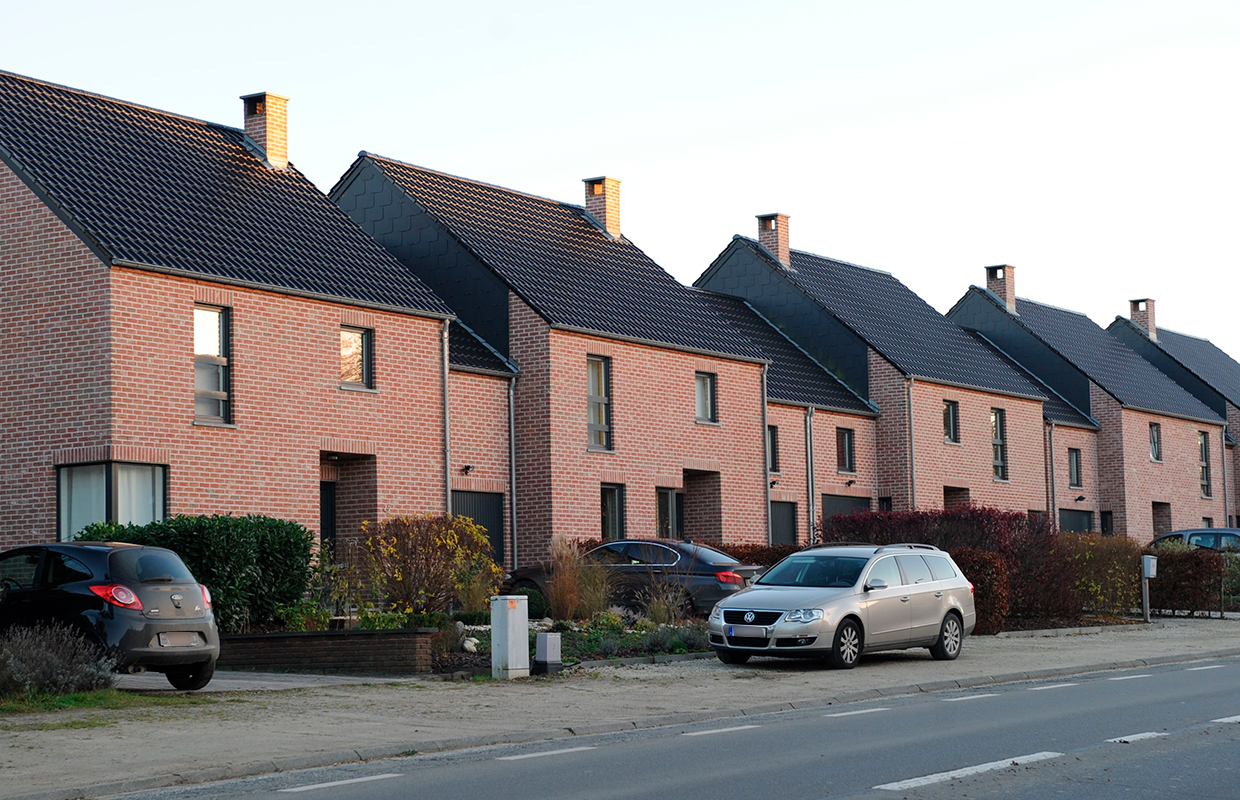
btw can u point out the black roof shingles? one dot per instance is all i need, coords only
(191, 197)
(468, 351)
(793, 376)
(1056, 408)
(572, 273)
(901, 326)
(1205, 360)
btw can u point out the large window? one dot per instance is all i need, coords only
(598, 390)
(705, 397)
(845, 450)
(212, 392)
(772, 448)
(1203, 448)
(998, 438)
(1074, 468)
(111, 492)
(1155, 441)
(951, 421)
(612, 506)
(357, 357)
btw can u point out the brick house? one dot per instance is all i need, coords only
(957, 423)
(1157, 448)
(192, 327)
(1200, 368)
(639, 410)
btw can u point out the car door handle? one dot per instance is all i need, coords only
(938, 594)
(904, 599)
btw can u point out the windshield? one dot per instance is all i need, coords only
(148, 566)
(818, 571)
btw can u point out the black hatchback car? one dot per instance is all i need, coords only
(140, 604)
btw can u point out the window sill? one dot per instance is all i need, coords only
(357, 387)
(846, 472)
(1000, 480)
(601, 450)
(713, 422)
(1157, 461)
(1076, 486)
(952, 443)
(206, 423)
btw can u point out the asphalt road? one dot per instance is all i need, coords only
(1161, 732)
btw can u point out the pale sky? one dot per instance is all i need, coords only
(1090, 144)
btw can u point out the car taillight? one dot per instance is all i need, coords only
(118, 595)
(970, 588)
(206, 597)
(728, 577)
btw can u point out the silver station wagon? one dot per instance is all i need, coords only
(838, 601)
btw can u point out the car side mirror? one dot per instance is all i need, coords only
(875, 583)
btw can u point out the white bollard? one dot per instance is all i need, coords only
(510, 637)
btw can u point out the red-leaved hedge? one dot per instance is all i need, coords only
(1188, 581)
(989, 576)
(763, 555)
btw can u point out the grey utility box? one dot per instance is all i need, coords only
(547, 654)
(1149, 566)
(510, 637)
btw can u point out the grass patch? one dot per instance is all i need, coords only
(64, 724)
(103, 699)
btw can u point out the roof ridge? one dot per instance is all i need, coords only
(828, 258)
(1056, 308)
(1161, 329)
(120, 102)
(474, 181)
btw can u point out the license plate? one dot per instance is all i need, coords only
(747, 630)
(179, 639)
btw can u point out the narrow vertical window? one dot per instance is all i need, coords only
(212, 390)
(356, 357)
(1107, 520)
(611, 498)
(1207, 522)
(1074, 468)
(1155, 441)
(671, 513)
(772, 448)
(998, 439)
(845, 450)
(951, 421)
(598, 391)
(704, 394)
(1203, 449)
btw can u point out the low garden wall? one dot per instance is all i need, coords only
(403, 651)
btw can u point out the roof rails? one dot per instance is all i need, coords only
(907, 546)
(840, 544)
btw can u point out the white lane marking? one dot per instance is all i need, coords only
(1199, 669)
(939, 777)
(1129, 677)
(720, 730)
(1051, 686)
(855, 713)
(368, 778)
(547, 753)
(968, 697)
(1227, 719)
(1136, 737)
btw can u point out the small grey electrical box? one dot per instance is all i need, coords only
(547, 654)
(1149, 566)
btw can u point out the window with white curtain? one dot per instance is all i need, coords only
(110, 492)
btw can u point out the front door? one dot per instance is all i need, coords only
(486, 509)
(327, 516)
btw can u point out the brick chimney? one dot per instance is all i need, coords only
(1142, 313)
(266, 123)
(603, 202)
(1001, 280)
(773, 235)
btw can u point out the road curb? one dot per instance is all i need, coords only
(364, 754)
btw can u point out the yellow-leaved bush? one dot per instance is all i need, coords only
(426, 563)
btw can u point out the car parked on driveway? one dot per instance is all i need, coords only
(838, 602)
(140, 604)
(706, 574)
(1209, 538)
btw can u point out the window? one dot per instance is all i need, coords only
(998, 439)
(18, 570)
(704, 392)
(59, 569)
(1072, 520)
(1207, 522)
(1074, 468)
(941, 567)
(1203, 463)
(357, 357)
(671, 513)
(845, 455)
(951, 421)
(598, 391)
(885, 504)
(111, 492)
(612, 505)
(887, 570)
(1155, 442)
(1106, 520)
(212, 390)
(772, 448)
(914, 569)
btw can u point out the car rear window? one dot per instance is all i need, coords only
(708, 555)
(820, 571)
(148, 566)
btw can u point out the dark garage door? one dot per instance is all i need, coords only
(783, 523)
(487, 510)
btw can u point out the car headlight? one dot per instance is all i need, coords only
(804, 615)
(716, 612)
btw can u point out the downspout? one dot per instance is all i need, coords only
(912, 455)
(447, 438)
(1050, 465)
(766, 461)
(512, 467)
(1226, 505)
(809, 472)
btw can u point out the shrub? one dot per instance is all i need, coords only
(472, 617)
(1188, 580)
(594, 589)
(477, 575)
(695, 636)
(1103, 572)
(1231, 582)
(417, 562)
(434, 619)
(608, 646)
(762, 555)
(563, 589)
(1036, 571)
(663, 602)
(373, 620)
(536, 603)
(251, 564)
(304, 615)
(51, 660)
(988, 574)
(659, 640)
(608, 621)
(971, 526)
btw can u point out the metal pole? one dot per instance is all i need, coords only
(1145, 597)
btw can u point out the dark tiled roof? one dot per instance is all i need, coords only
(793, 376)
(564, 266)
(468, 351)
(900, 325)
(188, 196)
(1109, 362)
(1205, 360)
(1056, 409)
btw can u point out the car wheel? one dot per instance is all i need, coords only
(190, 677)
(951, 636)
(731, 656)
(846, 650)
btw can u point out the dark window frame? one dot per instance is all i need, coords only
(998, 442)
(603, 400)
(1076, 479)
(223, 361)
(846, 451)
(109, 490)
(618, 490)
(772, 449)
(712, 396)
(1156, 453)
(951, 421)
(368, 357)
(1203, 464)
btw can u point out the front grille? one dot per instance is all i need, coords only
(737, 617)
(716, 639)
(747, 641)
(802, 641)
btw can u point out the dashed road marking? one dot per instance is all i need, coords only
(1129, 677)
(368, 778)
(1051, 686)
(968, 697)
(855, 713)
(1137, 737)
(939, 777)
(547, 753)
(720, 730)
(1227, 719)
(1199, 669)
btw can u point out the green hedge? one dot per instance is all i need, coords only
(251, 564)
(1189, 581)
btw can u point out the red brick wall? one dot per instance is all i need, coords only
(791, 486)
(1065, 496)
(888, 389)
(478, 418)
(53, 354)
(529, 347)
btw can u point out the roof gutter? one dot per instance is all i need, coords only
(974, 388)
(1216, 421)
(660, 345)
(851, 412)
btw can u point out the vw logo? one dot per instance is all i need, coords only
(749, 617)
